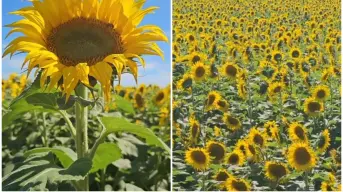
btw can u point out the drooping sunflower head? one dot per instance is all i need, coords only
(236, 157)
(275, 88)
(212, 99)
(321, 92)
(252, 154)
(230, 70)
(324, 141)
(297, 132)
(231, 122)
(301, 156)
(142, 88)
(235, 184)
(242, 90)
(241, 146)
(257, 137)
(216, 150)
(275, 170)
(198, 158)
(194, 129)
(199, 71)
(86, 41)
(223, 105)
(313, 107)
(160, 98)
(185, 83)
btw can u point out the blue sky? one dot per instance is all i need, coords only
(157, 71)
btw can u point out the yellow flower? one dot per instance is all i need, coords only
(324, 141)
(297, 132)
(139, 102)
(325, 186)
(275, 89)
(217, 132)
(223, 105)
(256, 137)
(301, 156)
(295, 53)
(216, 150)
(321, 92)
(275, 170)
(221, 176)
(313, 107)
(235, 184)
(212, 100)
(161, 97)
(231, 122)
(194, 129)
(199, 71)
(82, 40)
(271, 129)
(185, 82)
(236, 157)
(198, 158)
(230, 70)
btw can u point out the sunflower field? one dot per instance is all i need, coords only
(256, 95)
(73, 127)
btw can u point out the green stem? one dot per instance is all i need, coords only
(45, 131)
(98, 141)
(70, 124)
(102, 179)
(306, 181)
(81, 114)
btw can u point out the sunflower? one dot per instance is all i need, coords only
(142, 89)
(223, 105)
(231, 122)
(75, 42)
(199, 71)
(321, 92)
(195, 57)
(216, 150)
(242, 146)
(295, 53)
(235, 184)
(275, 170)
(297, 132)
(212, 99)
(313, 107)
(301, 156)
(161, 97)
(222, 175)
(217, 131)
(198, 158)
(139, 101)
(326, 186)
(256, 137)
(230, 70)
(252, 152)
(242, 90)
(277, 56)
(236, 157)
(275, 88)
(271, 130)
(194, 129)
(185, 83)
(324, 141)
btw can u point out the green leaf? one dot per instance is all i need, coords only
(113, 124)
(38, 172)
(46, 100)
(65, 155)
(124, 104)
(105, 154)
(29, 90)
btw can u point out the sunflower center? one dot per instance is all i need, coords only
(321, 94)
(211, 99)
(295, 54)
(222, 176)
(242, 148)
(160, 96)
(233, 121)
(252, 149)
(277, 57)
(314, 106)
(277, 89)
(195, 59)
(217, 151)
(300, 132)
(276, 170)
(187, 83)
(231, 71)
(302, 156)
(198, 157)
(139, 100)
(200, 71)
(222, 103)
(258, 139)
(233, 159)
(321, 142)
(239, 186)
(82, 40)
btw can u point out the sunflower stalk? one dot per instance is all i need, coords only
(81, 113)
(45, 131)
(306, 181)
